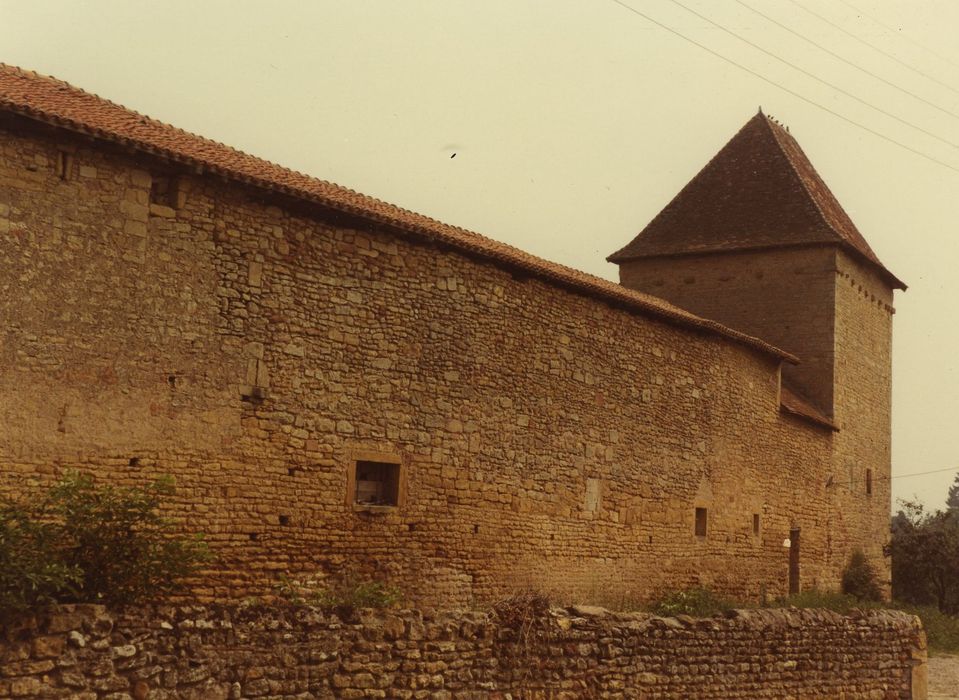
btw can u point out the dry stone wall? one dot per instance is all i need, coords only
(216, 653)
(257, 349)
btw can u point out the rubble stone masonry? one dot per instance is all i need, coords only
(215, 653)
(162, 321)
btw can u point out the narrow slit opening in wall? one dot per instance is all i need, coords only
(64, 161)
(755, 523)
(869, 482)
(700, 522)
(377, 483)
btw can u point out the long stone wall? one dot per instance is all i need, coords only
(87, 653)
(258, 351)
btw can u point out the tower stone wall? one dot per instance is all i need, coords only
(783, 295)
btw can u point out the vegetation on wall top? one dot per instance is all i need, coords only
(79, 541)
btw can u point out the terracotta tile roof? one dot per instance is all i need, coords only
(54, 102)
(759, 191)
(792, 402)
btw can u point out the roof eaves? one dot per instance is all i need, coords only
(428, 228)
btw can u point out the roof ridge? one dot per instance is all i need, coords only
(774, 128)
(80, 115)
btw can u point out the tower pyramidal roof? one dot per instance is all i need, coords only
(759, 191)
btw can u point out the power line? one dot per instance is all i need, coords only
(874, 48)
(847, 61)
(784, 88)
(897, 33)
(815, 77)
(934, 471)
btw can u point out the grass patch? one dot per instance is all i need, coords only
(695, 602)
(942, 630)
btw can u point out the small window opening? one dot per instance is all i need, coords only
(476, 529)
(377, 483)
(284, 520)
(64, 165)
(134, 461)
(163, 191)
(254, 536)
(869, 482)
(291, 471)
(700, 522)
(171, 380)
(755, 523)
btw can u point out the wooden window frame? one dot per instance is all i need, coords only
(353, 457)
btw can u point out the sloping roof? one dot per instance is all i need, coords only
(791, 402)
(759, 191)
(57, 103)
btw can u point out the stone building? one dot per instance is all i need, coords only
(342, 386)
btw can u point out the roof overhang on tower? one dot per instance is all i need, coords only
(760, 191)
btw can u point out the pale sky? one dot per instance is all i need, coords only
(573, 123)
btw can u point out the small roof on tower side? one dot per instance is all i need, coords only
(759, 191)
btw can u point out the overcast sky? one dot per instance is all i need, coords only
(573, 122)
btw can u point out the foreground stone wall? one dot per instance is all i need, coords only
(257, 349)
(85, 653)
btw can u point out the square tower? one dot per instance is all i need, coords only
(757, 242)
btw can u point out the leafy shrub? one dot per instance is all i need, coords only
(696, 602)
(84, 542)
(31, 572)
(859, 579)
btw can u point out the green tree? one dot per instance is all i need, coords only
(952, 500)
(925, 556)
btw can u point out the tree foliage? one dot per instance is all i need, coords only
(84, 542)
(952, 499)
(925, 556)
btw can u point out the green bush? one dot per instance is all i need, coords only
(859, 579)
(84, 542)
(696, 602)
(31, 572)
